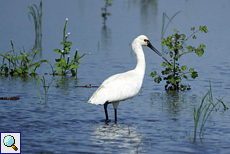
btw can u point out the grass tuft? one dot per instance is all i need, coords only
(203, 112)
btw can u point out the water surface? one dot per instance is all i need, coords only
(153, 121)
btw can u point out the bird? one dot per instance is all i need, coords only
(122, 86)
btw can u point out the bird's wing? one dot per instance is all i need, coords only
(117, 88)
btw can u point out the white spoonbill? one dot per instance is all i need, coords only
(122, 86)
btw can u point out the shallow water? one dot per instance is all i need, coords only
(152, 122)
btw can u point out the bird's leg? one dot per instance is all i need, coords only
(106, 113)
(115, 114)
(115, 106)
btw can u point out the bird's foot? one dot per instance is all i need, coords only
(107, 121)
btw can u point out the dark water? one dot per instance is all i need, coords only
(152, 122)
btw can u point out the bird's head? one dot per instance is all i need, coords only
(144, 41)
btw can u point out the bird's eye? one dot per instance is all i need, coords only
(145, 40)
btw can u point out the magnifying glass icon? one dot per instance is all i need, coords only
(9, 141)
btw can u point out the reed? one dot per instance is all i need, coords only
(35, 14)
(45, 86)
(39, 90)
(203, 112)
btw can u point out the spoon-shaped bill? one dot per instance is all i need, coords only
(155, 50)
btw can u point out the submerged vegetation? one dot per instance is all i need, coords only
(178, 47)
(64, 64)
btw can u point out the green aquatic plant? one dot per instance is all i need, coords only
(203, 112)
(64, 64)
(39, 90)
(105, 12)
(35, 13)
(19, 64)
(45, 87)
(177, 48)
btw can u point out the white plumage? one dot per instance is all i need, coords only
(117, 88)
(126, 85)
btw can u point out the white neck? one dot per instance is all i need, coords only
(140, 67)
